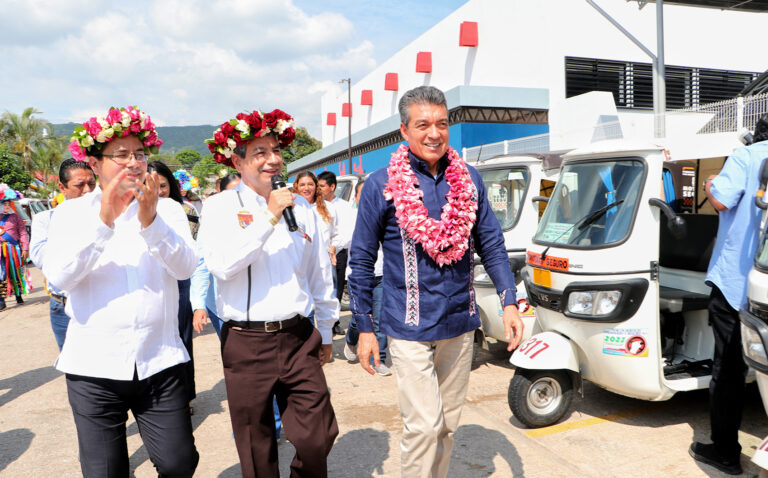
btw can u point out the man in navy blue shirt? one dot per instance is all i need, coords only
(430, 213)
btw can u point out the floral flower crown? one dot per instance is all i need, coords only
(94, 134)
(8, 194)
(245, 127)
(186, 180)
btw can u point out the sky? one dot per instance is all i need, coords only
(189, 62)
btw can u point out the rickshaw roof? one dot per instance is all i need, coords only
(548, 159)
(688, 148)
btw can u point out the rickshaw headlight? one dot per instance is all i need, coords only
(593, 302)
(753, 345)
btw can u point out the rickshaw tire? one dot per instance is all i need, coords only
(520, 386)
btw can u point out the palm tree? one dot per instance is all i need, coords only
(47, 158)
(25, 133)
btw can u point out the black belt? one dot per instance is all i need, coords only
(273, 326)
(59, 298)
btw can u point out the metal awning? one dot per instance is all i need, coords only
(735, 5)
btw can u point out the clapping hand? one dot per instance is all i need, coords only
(147, 196)
(114, 200)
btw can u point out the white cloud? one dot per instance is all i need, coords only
(184, 62)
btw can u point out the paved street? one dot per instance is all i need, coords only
(604, 435)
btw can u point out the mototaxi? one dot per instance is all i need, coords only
(616, 271)
(517, 187)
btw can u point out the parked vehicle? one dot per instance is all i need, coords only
(345, 186)
(619, 292)
(754, 321)
(518, 187)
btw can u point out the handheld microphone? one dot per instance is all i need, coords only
(290, 219)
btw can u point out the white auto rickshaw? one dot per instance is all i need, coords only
(754, 322)
(616, 272)
(518, 187)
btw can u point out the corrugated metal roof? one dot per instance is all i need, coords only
(736, 5)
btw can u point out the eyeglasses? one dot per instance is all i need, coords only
(124, 158)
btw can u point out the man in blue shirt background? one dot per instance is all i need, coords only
(429, 315)
(731, 193)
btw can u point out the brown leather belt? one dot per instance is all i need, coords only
(261, 326)
(59, 298)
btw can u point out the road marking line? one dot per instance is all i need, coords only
(587, 422)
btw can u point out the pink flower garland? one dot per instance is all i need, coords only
(447, 240)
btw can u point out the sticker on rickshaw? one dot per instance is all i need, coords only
(625, 342)
(532, 347)
(549, 262)
(542, 277)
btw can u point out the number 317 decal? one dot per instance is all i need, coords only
(533, 347)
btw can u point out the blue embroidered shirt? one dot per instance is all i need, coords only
(442, 302)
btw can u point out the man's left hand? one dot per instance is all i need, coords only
(24, 257)
(325, 354)
(147, 197)
(513, 326)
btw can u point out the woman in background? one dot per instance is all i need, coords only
(305, 184)
(168, 187)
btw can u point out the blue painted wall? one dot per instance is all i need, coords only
(462, 135)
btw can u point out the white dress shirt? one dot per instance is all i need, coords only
(328, 229)
(40, 223)
(345, 216)
(122, 287)
(289, 274)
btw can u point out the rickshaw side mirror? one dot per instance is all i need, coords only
(760, 196)
(675, 223)
(536, 199)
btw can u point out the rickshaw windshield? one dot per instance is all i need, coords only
(343, 190)
(573, 217)
(506, 193)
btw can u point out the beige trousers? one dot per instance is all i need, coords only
(432, 379)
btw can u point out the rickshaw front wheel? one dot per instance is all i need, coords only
(539, 398)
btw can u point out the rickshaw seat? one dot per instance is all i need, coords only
(693, 252)
(677, 300)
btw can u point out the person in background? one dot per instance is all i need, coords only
(76, 179)
(14, 248)
(268, 280)
(120, 252)
(191, 198)
(731, 193)
(168, 187)
(431, 316)
(203, 285)
(344, 217)
(352, 336)
(305, 184)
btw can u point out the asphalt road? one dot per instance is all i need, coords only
(604, 434)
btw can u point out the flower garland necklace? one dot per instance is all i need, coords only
(447, 240)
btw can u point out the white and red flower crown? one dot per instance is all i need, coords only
(91, 137)
(245, 127)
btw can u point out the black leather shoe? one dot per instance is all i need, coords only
(337, 330)
(709, 455)
(19, 300)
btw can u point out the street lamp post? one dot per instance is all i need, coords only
(348, 81)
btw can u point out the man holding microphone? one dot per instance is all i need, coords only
(270, 277)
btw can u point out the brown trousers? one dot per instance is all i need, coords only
(258, 365)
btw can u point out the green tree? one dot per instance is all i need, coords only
(25, 132)
(188, 157)
(301, 146)
(47, 159)
(11, 171)
(207, 170)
